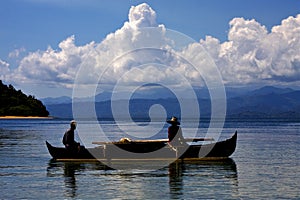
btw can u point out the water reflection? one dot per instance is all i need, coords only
(202, 174)
(176, 170)
(70, 180)
(184, 179)
(69, 171)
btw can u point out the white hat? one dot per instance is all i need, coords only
(73, 122)
(173, 120)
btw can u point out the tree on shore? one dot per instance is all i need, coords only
(15, 103)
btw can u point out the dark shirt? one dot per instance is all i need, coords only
(68, 139)
(174, 130)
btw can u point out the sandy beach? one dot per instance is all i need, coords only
(24, 117)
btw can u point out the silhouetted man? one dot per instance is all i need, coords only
(68, 139)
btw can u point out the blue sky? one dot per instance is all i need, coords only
(32, 26)
(35, 24)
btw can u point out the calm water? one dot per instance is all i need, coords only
(264, 166)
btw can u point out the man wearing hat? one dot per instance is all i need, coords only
(68, 139)
(174, 132)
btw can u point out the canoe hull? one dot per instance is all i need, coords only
(146, 151)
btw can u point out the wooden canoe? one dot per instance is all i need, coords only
(143, 150)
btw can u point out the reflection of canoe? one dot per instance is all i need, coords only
(70, 168)
(226, 166)
(147, 150)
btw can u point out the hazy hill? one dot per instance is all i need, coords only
(270, 90)
(56, 100)
(266, 102)
(277, 105)
(16, 103)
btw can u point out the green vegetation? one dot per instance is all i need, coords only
(16, 103)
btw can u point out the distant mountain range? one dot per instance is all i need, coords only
(265, 102)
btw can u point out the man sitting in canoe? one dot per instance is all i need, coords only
(174, 133)
(68, 139)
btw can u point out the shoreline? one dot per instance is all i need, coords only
(25, 117)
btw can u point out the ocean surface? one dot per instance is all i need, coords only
(265, 165)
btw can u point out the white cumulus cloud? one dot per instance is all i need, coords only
(142, 16)
(4, 70)
(251, 54)
(53, 66)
